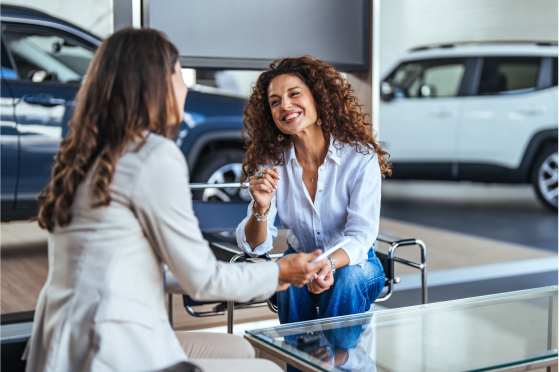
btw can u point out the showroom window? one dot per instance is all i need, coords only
(509, 74)
(428, 78)
(40, 55)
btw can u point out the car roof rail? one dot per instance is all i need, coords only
(486, 42)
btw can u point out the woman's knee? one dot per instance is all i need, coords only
(349, 278)
(359, 281)
(374, 268)
(219, 365)
(207, 345)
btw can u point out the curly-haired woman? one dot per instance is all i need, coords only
(313, 161)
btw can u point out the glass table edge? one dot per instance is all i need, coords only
(464, 303)
(539, 359)
(548, 291)
(498, 367)
(287, 352)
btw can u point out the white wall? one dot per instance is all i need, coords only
(95, 16)
(410, 23)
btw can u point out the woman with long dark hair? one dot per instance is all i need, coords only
(117, 208)
(312, 160)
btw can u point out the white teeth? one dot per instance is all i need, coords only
(289, 117)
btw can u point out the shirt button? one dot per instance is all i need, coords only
(321, 168)
(318, 232)
(319, 190)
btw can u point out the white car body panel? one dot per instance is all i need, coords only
(497, 129)
(420, 130)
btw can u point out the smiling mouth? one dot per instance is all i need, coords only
(292, 116)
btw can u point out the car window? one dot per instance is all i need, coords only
(428, 78)
(554, 73)
(509, 74)
(41, 55)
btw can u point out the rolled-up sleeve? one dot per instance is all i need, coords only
(363, 212)
(162, 202)
(271, 233)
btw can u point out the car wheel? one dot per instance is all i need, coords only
(544, 177)
(224, 166)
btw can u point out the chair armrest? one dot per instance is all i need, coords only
(391, 257)
(387, 264)
(225, 251)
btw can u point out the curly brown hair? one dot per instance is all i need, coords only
(336, 106)
(126, 94)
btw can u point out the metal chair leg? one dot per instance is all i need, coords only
(230, 309)
(170, 309)
(231, 304)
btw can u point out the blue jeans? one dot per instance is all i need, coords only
(353, 291)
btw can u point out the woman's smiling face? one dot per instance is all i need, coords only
(292, 104)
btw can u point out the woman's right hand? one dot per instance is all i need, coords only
(263, 190)
(297, 268)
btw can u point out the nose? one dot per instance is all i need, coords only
(286, 104)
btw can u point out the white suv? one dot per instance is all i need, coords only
(485, 113)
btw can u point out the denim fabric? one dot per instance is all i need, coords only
(341, 344)
(353, 291)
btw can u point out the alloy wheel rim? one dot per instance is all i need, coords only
(547, 179)
(229, 173)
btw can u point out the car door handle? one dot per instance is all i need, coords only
(442, 113)
(43, 100)
(532, 111)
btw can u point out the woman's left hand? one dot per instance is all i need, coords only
(321, 280)
(282, 287)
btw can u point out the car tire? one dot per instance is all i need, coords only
(223, 166)
(544, 176)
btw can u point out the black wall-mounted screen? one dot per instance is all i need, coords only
(249, 34)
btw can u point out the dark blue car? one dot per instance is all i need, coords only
(44, 61)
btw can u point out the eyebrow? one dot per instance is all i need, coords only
(271, 95)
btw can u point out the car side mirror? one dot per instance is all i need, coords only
(37, 76)
(427, 91)
(386, 91)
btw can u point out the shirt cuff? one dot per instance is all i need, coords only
(355, 251)
(279, 270)
(265, 247)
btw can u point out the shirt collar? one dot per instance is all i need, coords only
(333, 152)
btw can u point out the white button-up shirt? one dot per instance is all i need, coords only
(347, 203)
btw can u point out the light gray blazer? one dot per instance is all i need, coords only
(102, 306)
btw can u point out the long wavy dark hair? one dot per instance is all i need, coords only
(336, 105)
(126, 94)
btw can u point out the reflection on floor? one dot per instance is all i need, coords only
(509, 213)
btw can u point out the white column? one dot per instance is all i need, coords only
(376, 67)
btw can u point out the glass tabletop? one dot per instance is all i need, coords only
(473, 334)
